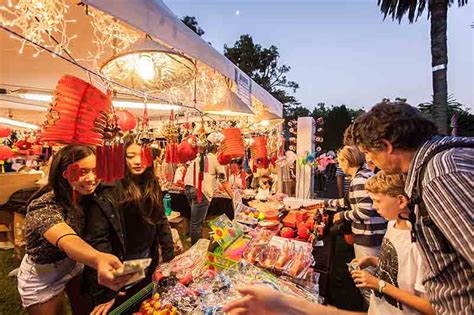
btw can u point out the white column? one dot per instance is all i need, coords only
(305, 144)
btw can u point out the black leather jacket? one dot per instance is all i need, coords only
(105, 231)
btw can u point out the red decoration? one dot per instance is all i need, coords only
(146, 156)
(171, 154)
(5, 152)
(77, 114)
(4, 131)
(259, 148)
(287, 232)
(233, 146)
(72, 173)
(223, 159)
(37, 149)
(23, 145)
(188, 149)
(126, 119)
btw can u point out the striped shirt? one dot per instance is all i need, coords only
(345, 179)
(448, 186)
(368, 226)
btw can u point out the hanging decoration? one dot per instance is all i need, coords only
(229, 105)
(259, 148)
(5, 153)
(233, 145)
(109, 35)
(110, 155)
(5, 131)
(78, 113)
(41, 21)
(171, 135)
(126, 119)
(149, 67)
(188, 149)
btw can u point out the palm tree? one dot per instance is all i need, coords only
(438, 12)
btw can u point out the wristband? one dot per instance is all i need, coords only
(67, 234)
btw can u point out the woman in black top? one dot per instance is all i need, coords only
(54, 225)
(131, 224)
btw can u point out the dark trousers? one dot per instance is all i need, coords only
(198, 213)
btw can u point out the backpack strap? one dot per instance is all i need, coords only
(416, 197)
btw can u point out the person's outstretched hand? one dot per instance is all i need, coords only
(257, 300)
(105, 265)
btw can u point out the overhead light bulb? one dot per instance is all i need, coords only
(264, 123)
(145, 68)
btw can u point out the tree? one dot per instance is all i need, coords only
(336, 120)
(261, 64)
(465, 120)
(437, 11)
(192, 23)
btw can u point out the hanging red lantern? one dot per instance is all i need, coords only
(4, 131)
(78, 113)
(223, 159)
(126, 119)
(259, 148)
(5, 153)
(188, 149)
(233, 146)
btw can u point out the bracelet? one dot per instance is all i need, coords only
(67, 234)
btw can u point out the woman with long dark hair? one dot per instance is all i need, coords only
(54, 223)
(129, 223)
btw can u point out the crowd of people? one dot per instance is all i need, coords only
(424, 191)
(412, 223)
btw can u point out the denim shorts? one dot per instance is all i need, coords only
(39, 283)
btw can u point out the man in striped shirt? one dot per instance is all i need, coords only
(397, 138)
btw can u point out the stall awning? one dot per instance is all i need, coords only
(155, 18)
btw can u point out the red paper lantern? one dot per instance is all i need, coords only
(233, 146)
(23, 145)
(77, 114)
(188, 149)
(259, 148)
(4, 131)
(126, 119)
(5, 152)
(223, 159)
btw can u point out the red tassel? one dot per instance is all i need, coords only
(111, 162)
(108, 154)
(99, 162)
(244, 184)
(199, 192)
(119, 161)
(194, 174)
(149, 153)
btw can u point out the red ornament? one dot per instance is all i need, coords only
(37, 149)
(259, 148)
(126, 119)
(23, 145)
(4, 131)
(187, 149)
(233, 146)
(287, 232)
(5, 152)
(223, 159)
(77, 114)
(73, 173)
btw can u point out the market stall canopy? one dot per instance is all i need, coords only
(24, 72)
(155, 18)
